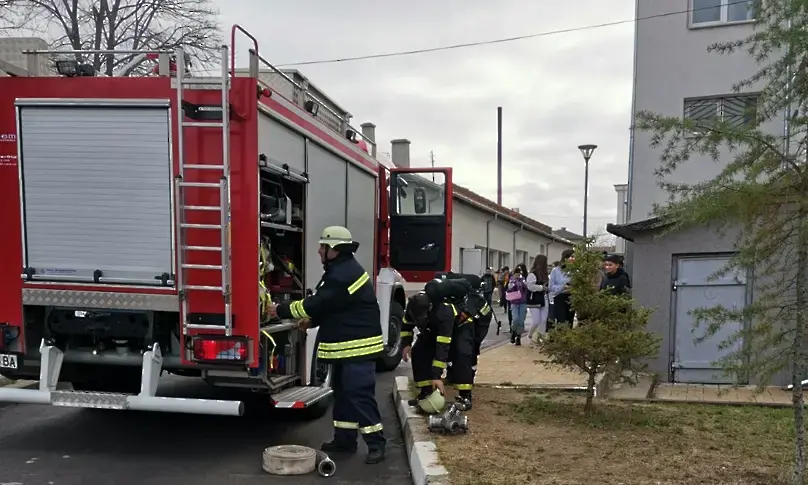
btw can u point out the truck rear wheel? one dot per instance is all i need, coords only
(392, 348)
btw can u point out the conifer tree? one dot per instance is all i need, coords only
(611, 328)
(759, 198)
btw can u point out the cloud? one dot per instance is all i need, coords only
(557, 91)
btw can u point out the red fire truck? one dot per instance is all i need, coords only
(145, 219)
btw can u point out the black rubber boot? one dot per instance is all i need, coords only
(375, 455)
(513, 337)
(518, 340)
(337, 447)
(464, 399)
(499, 327)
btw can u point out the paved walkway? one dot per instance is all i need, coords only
(511, 365)
(703, 393)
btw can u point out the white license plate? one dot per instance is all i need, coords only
(8, 361)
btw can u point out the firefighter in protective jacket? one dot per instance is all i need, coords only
(345, 309)
(430, 353)
(477, 308)
(463, 352)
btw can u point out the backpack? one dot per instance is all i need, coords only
(536, 298)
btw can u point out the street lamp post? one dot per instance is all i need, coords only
(586, 151)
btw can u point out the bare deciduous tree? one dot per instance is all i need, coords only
(117, 24)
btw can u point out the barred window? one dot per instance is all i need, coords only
(739, 110)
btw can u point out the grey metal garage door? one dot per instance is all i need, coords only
(695, 362)
(97, 192)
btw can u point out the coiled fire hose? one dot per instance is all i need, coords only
(297, 460)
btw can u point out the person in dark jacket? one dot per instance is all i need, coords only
(488, 283)
(345, 309)
(616, 279)
(430, 353)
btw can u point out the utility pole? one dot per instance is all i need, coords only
(499, 155)
(432, 160)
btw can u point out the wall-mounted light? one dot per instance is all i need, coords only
(351, 135)
(312, 107)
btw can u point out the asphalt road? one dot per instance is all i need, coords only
(45, 445)
(492, 338)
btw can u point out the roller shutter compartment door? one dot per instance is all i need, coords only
(96, 193)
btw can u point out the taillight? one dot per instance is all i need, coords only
(220, 349)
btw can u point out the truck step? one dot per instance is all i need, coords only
(199, 166)
(204, 326)
(206, 80)
(200, 226)
(203, 288)
(202, 248)
(202, 124)
(90, 400)
(300, 397)
(211, 208)
(217, 267)
(203, 185)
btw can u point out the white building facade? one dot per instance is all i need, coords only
(675, 75)
(501, 236)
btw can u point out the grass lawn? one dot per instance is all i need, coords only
(525, 437)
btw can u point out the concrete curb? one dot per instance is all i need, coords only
(422, 452)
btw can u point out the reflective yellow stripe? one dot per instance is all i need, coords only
(423, 383)
(371, 429)
(358, 284)
(485, 309)
(347, 354)
(463, 387)
(297, 310)
(346, 425)
(350, 344)
(444, 340)
(437, 363)
(454, 310)
(469, 320)
(406, 334)
(405, 320)
(272, 352)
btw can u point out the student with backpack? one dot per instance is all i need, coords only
(537, 301)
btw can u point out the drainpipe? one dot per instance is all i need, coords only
(521, 227)
(488, 239)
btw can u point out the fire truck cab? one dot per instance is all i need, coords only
(147, 220)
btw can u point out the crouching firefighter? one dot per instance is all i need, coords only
(471, 327)
(477, 308)
(345, 309)
(430, 353)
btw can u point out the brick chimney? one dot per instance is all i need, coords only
(369, 132)
(400, 153)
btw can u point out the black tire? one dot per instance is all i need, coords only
(392, 348)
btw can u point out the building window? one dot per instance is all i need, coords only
(739, 110)
(716, 12)
(542, 249)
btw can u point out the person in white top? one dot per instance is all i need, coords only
(537, 301)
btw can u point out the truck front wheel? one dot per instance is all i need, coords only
(392, 348)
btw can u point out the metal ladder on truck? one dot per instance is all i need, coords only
(182, 208)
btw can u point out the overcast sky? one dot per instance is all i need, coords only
(557, 91)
